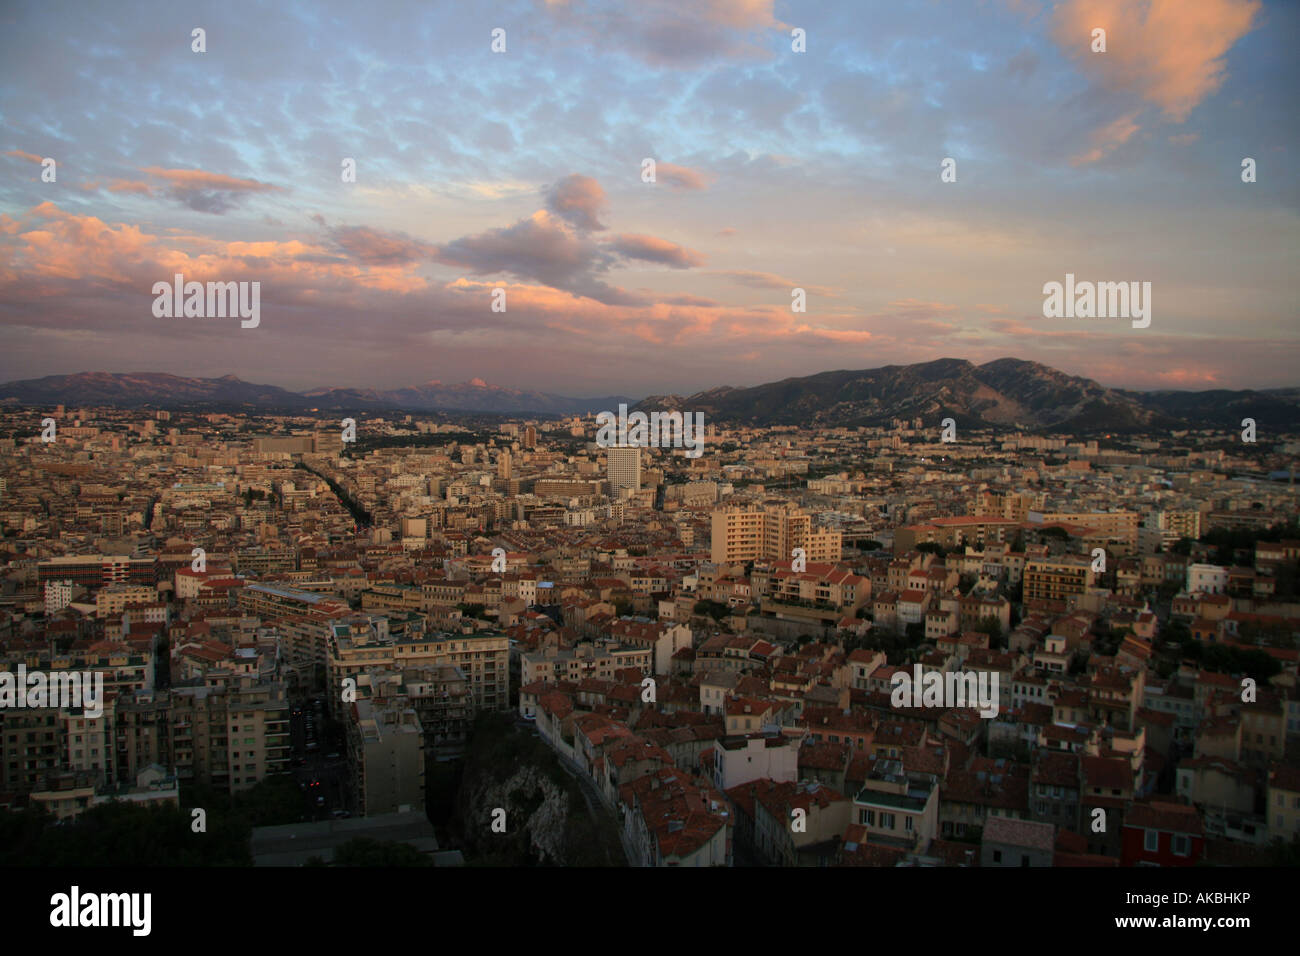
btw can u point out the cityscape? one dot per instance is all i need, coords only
(577, 434)
(337, 616)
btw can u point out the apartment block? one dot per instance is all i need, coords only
(386, 755)
(770, 533)
(230, 737)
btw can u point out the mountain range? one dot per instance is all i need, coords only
(1008, 392)
(137, 389)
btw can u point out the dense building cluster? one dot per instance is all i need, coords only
(711, 642)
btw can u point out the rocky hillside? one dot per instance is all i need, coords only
(547, 821)
(1007, 392)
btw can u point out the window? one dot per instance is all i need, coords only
(997, 856)
(1152, 842)
(907, 824)
(1182, 845)
(887, 821)
(867, 817)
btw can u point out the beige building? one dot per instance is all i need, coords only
(1118, 527)
(386, 754)
(897, 809)
(798, 823)
(586, 660)
(230, 737)
(770, 532)
(115, 598)
(624, 469)
(304, 620)
(361, 645)
(1058, 580)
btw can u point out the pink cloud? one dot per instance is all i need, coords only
(1186, 376)
(1167, 52)
(1108, 139)
(198, 189)
(770, 280)
(579, 200)
(652, 249)
(682, 177)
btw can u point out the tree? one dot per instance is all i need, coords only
(993, 628)
(364, 851)
(1176, 632)
(270, 802)
(712, 609)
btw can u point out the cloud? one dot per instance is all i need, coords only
(674, 35)
(375, 247)
(1170, 53)
(542, 247)
(49, 252)
(578, 199)
(680, 177)
(770, 280)
(1186, 376)
(1107, 139)
(130, 186)
(30, 157)
(197, 189)
(652, 249)
(553, 246)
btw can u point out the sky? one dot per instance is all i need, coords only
(522, 170)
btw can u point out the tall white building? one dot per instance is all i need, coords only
(624, 469)
(58, 595)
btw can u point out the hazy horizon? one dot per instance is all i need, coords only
(635, 396)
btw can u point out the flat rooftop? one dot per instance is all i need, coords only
(293, 844)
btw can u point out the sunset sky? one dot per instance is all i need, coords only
(522, 170)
